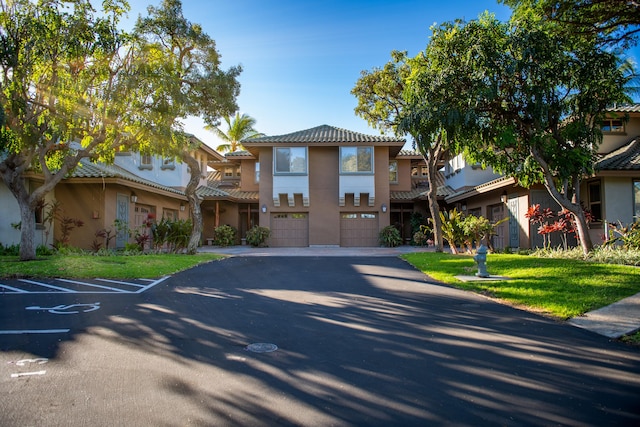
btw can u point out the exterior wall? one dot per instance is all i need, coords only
(459, 174)
(612, 141)
(10, 214)
(324, 209)
(404, 176)
(617, 194)
(95, 205)
(324, 218)
(248, 176)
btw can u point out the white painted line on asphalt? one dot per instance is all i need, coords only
(94, 285)
(26, 374)
(46, 285)
(11, 288)
(34, 331)
(152, 284)
(121, 283)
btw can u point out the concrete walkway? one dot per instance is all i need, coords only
(613, 321)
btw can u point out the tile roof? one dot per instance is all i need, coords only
(631, 108)
(322, 134)
(207, 191)
(87, 169)
(626, 157)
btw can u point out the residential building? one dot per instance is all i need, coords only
(328, 186)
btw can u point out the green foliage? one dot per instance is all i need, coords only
(452, 228)
(390, 237)
(627, 237)
(553, 286)
(224, 235)
(171, 235)
(423, 237)
(121, 266)
(239, 128)
(257, 236)
(9, 250)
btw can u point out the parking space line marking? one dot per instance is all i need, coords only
(35, 331)
(94, 285)
(151, 285)
(25, 374)
(10, 288)
(48, 286)
(121, 283)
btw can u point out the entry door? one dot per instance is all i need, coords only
(122, 215)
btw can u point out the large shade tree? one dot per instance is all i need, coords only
(532, 102)
(383, 103)
(185, 79)
(611, 22)
(239, 128)
(69, 90)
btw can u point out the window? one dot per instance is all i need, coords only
(168, 163)
(612, 126)
(393, 171)
(170, 214)
(291, 160)
(368, 216)
(595, 201)
(356, 159)
(636, 200)
(228, 172)
(145, 161)
(257, 176)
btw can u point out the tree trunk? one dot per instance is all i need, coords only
(27, 230)
(194, 203)
(431, 157)
(573, 205)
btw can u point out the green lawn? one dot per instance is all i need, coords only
(558, 287)
(114, 267)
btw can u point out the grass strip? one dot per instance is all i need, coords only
(112, 267)
(557, 287)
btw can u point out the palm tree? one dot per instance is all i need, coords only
(239, 128)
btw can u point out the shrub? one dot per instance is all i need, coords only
(10, 250)
(390, 237)
(224, 235)
(422, 237)
(257, 236)
(628, 237)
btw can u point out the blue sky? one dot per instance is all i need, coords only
(301, 58)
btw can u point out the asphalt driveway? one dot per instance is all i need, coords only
(360, 341)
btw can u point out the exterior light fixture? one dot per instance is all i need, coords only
(384, 208)
(264, 208)
(503, 197)
(134, 197)
(463, 207)
(182, 207)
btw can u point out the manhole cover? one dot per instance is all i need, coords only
(262, 347)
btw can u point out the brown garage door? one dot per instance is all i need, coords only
(289, 230)
(359, 230)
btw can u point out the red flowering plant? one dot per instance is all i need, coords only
(541, 217)
(565, 223)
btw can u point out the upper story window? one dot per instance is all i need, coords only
(291, 160)
(168, 163)
(145, 161)
(356, 159)
(393, 171)
(257, 176)
(612, 126)
(228, 172)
